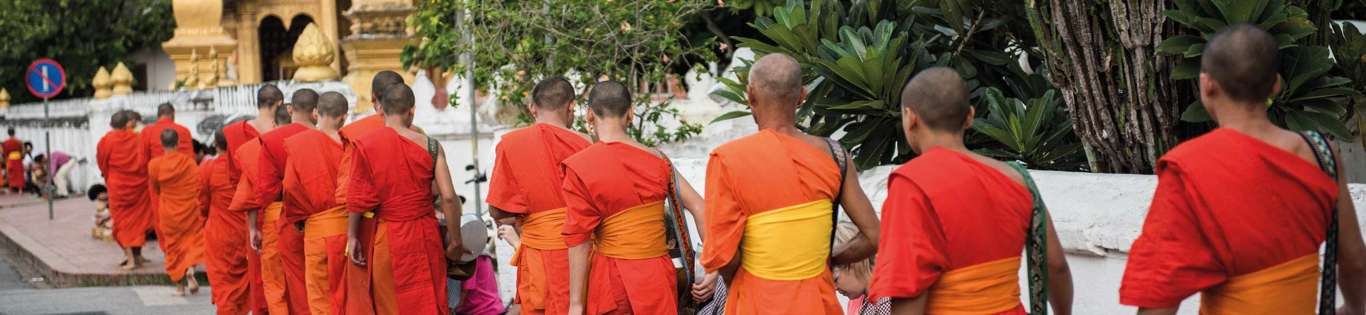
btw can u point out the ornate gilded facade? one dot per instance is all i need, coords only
(228, 42)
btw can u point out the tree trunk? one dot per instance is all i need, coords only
(1118, 91)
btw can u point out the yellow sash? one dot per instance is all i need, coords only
(636, 233)
(541, 230)
(791, 243)
(985, 288)
(326, 223)
(1288, 288)
(15, 156)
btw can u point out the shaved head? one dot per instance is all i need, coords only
(268, 95)
(939, 97)
(553, 93)
(776, 79)
(332, 104)
(304, 100)
(397, 99)
(609, 99)
(381, 81)
(165, 110)
(1243, 60)
(116, 121)
(169, 138)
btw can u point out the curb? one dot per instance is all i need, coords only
(24, 249)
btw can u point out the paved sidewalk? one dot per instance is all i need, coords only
(62, 249)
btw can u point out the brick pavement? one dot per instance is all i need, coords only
(62, 248)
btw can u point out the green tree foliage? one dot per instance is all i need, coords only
(82, 35)
(517, 43)
(1349, 49)
(1310, 98)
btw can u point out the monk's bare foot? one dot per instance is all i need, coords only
(143, 260)
(194, 283)
(179, 290)
(131, 265)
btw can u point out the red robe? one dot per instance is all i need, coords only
(754, 175)
(393, 176)
(125, 174)
(225, 239)
(269, 178)
(151, 138)
(268, 278)
(175, 181)
(238, 134)
(933, 214)
(1228, 205)
(14, 162)
(359, 300)
(604, 186)
(310, 186)
(527, 180)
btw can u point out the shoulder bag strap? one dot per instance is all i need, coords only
(677, 227)
(1328, 279)
(1036, 246)
(842, 160)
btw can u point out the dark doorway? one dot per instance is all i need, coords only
(277, 45)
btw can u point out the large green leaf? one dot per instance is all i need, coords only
(1178, 44)
(731, 115)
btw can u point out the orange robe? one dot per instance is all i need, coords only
(937, 242)
(750, 177)
(310, 186)
(151, 147)
(14, 162)
(244, 199)
(615, 193)
(125, 174)
(225, 239)
(393, 176)
(527, 180)
(358, 297)
(238, 134)
(289, 240)
(175, 181)
(1229, 211)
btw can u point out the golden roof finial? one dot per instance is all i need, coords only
(313, 53)
(4, 98)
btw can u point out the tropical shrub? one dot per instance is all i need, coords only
(1349, 49)
(1310, 99)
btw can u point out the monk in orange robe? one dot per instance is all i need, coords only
(393, 173)
(125, 173)
(614, 191)
(225, 234)
(175, 181)
(151, 134)
(775, 190)
(938, 255)
(269, 178)
(1239, 213)
(310, 186)
(357, 276)
(13, 151)
(263, 267)
(525, 192)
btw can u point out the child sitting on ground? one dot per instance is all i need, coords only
(104, 223)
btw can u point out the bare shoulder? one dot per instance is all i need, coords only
(1294, 142)
(1002, 167)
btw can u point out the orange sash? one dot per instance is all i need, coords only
(1288, 288)
(541, 230)
(986, 288)
(326, 223)
(635, 233)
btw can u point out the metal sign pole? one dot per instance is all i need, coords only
(48, 190)
(474, 119)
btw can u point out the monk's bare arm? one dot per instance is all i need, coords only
(1351, 250)
(578, 278)
(1059, 274)
(694, 203)
(860, 210)
(502, 217)
(449, 206)
(909, 306)
(253, 232)
(1158, 311)
(353, 251)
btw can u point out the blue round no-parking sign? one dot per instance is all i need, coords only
(45, 78)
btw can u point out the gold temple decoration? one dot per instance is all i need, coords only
(192, 80)
(313, 53)
(4, 98)
(211, 80)
(102, 84)
(122, 79)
